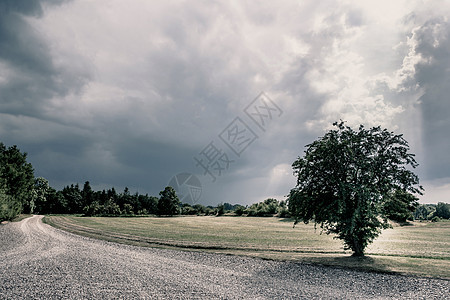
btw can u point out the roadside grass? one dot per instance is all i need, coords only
(422, 249)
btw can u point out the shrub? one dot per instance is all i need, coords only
(239, 210)
(111, 209)
(435, 219)
(267, 208)
(188, 210)
(9, 208)
(283, 212)
(142, 212)
(199, 209)
(220, 210)
(93, 209)
(209, 211)
(127, 209)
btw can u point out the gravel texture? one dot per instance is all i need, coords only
(40, 262)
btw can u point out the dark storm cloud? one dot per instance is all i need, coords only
(29, 81)
(25, 7)
(433, 75)
(26, 60)
(152, 162)
(32, 78)
(125, 94)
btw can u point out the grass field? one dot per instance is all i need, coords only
(422, 249)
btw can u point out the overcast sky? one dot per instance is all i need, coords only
(132, 93)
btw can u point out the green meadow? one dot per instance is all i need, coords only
(421, 249)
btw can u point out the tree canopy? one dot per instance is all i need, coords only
(16, 183)
(350, 182)
(168, 203)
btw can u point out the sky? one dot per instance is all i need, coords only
(218, 98)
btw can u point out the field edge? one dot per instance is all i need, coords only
(388, 264)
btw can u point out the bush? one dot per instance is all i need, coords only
(209, 211)
(200, 209)
(127, 209)
(9, 208)
(272, 206)
(283, 212)
(435, 219)
(267, 208)
(111, 209)
(93, 209)
(142, 212)
(239, 210)
(188, 210)
(220, 210)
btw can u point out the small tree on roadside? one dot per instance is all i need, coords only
(9, 208)
(168, 204)
(17, 180)
(40, 193)
(346, 179)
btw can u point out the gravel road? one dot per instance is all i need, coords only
(38, 261)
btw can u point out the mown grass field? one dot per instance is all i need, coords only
(422, 249)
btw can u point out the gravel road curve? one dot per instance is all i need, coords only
(38, 261)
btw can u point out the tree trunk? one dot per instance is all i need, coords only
(357, 248)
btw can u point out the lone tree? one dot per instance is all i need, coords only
(168, 203)
(346, 180)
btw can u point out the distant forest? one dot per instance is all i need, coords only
(21, 192)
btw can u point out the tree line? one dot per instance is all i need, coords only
(432, 212)
(22, 192)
